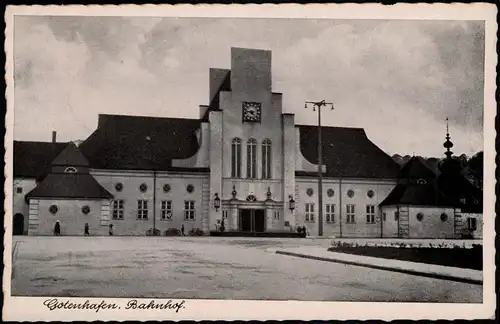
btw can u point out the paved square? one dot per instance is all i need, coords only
(210, 268)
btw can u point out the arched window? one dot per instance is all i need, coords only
(236, 158)
(70, 170)
(251, 159)
(266, 159)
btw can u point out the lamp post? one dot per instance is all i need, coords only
(217, 202)
(318, 105)
(152, 163)
(291, 203)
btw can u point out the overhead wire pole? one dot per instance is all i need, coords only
(318, 105)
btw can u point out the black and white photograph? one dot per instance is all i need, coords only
(250, 162)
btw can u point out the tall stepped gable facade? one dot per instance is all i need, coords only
(138, 173)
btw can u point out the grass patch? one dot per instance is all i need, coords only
(458, 257)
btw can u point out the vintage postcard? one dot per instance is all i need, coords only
(227, 162)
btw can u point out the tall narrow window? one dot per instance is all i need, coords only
(266, 159)
(189, 211)
(309, 212)
(370, 214)
(350, 214)
(142, 209)
(166, 209)
(330, 213)
(252, 159)
(236, 158)
(117, 208)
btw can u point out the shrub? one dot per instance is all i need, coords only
(172, 232)
(149, 232)
(196, 232)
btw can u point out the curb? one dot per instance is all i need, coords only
(379, 267)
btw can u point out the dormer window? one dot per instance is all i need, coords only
(421, 181)
(70, 170)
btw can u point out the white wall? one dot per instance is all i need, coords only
(431, 226)
(70, 216)
(20, 206)
(390, 224)
(131, 181)
(478, 233)
(360, 199)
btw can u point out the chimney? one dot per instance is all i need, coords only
(54, 136)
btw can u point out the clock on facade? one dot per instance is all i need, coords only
(251, 111)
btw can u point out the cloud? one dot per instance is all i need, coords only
(393, 78)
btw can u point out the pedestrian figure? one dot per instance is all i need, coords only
(110, 229)
(222, 227)
(57, 229)
(304, 230)
(182, 230)
(86, 230)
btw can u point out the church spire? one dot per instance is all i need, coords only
(448, 144)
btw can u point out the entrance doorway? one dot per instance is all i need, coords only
(18, 224)
(252, 220)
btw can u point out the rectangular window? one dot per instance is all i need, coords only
(252, 159)
(236, 158)
(19, 190)
(276, 214)
(142, 209)
(396, 216)
(472, 222)
(330, 213)
(189, 211)
(266, 159)
(370, 214)
(225, 213)
(309, 212)
(117, 209)
(350, 214)
(383, 217)
(166, 210)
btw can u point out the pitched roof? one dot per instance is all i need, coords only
(69, 185)
(417, 195)
(71, 155)
(411, 191)
(416, 168)
(347, 152)
(31, 159)
(140, 143)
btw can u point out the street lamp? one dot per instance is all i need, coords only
(149, 160)
(216, 202)
(318, 105)
(291, 203)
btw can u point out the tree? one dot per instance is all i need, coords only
(433, 163)
(464, 159)
(398, 158)
(476, 166)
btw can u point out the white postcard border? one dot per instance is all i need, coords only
(32, 308)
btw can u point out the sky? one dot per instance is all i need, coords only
(397, 79)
